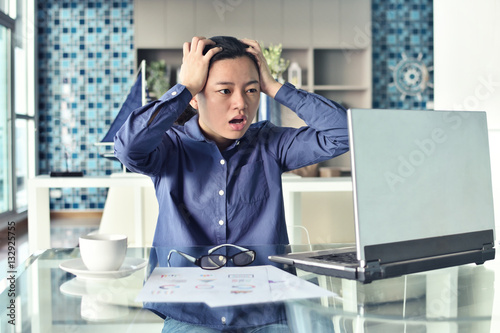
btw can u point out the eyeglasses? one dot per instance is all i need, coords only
(214, 261)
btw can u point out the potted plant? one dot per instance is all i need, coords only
(158, 79)
(276, 63)
(270, 109)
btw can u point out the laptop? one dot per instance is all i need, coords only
(422, 195)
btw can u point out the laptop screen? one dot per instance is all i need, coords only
(419, 174)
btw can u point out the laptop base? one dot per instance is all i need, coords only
(401, 258)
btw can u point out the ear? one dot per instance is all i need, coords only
(194, 102)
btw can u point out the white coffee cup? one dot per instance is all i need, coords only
(103, 252)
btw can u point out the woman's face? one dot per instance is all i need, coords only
(229, 102)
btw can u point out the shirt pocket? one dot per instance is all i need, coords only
(250, 183)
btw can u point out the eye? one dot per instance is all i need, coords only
(225, 91)
(252, 90)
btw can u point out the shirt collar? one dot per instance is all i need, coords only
(193, 129)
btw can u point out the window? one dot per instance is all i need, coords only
(5, 194)
(17, 100)
(8, 7)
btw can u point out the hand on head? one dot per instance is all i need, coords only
(268, 84)
(194, 69)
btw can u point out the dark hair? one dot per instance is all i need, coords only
(232, 48)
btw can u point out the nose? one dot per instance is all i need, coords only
(239, 100)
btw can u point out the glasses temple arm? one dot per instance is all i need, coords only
(187, 256)
(222, 245)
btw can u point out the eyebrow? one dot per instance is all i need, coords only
(232, 83)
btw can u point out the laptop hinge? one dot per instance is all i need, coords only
(488, 252)
(371, 271)
(373, 266)
(487, 247)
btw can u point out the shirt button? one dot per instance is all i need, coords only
(223, 320)
(174, 93)
(221, 222)
(221, 192)
(222, 162)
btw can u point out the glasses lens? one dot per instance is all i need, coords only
(244, 258)
(213, 261)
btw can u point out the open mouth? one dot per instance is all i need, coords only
(238, 123)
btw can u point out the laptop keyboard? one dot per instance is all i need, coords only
(344, 257)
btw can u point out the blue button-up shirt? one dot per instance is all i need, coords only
(209, 197)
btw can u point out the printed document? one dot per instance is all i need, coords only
(226, 286)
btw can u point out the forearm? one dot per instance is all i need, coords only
(272, 89)
(137, 140)
(317, 111)
(325, 137)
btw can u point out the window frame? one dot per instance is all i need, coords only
(27, 12)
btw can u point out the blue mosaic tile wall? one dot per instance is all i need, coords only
(402, 44)
(86, 67)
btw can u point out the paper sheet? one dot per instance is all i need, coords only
(227, 286)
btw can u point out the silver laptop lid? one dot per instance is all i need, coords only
(419, 174)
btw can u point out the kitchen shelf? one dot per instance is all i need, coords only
(340, 87)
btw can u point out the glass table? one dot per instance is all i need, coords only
(39, 296)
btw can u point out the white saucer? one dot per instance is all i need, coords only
(74, 287)
(77, 267)
(108, 291)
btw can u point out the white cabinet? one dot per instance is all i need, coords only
(343, 75)
(329, 39)
(178, 22)
(296, 23)
(149, 23)
(266, 21)
(223, 18)
(355, 18)
(325, 23)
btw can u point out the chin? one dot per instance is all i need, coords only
(234, 136)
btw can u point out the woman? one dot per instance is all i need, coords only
(218, 176)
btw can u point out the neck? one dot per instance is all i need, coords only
(223, 145)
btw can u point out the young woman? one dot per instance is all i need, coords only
(218, 176)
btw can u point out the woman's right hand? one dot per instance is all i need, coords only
(194, 69)
(268, 84)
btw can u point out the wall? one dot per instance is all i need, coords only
(467, 68)
(85, 69)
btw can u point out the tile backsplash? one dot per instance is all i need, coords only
(403, 46)
(86, 67)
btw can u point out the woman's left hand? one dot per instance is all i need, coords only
(268, 84)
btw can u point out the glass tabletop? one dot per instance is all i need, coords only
(42, 297)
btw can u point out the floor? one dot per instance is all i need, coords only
(64, 232)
